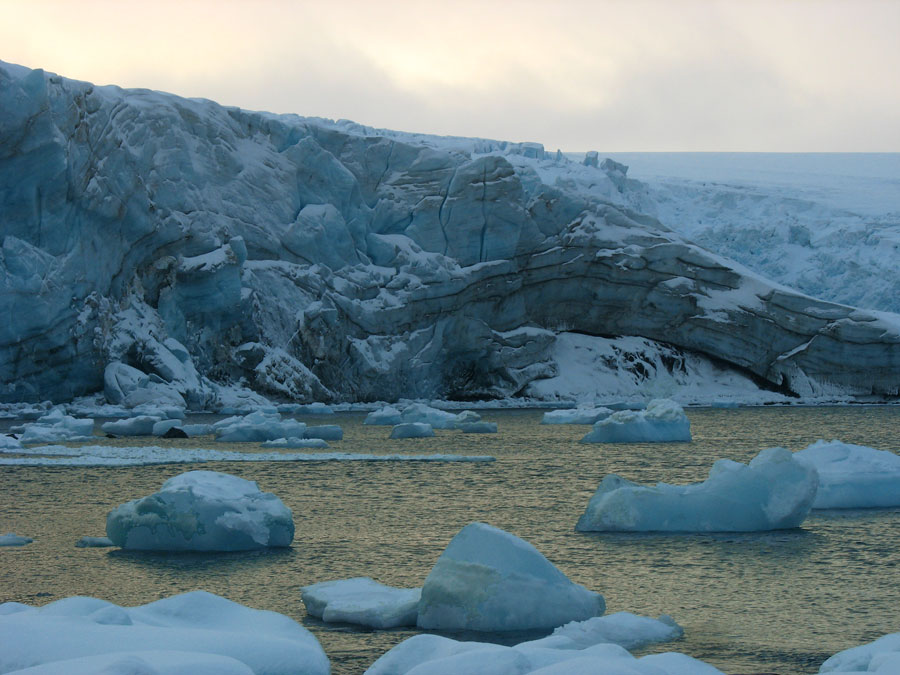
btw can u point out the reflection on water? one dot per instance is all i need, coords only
(770, 602)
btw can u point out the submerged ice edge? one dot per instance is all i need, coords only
(96, 455)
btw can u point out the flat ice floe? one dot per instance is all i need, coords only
(202, 511)
(576, 415)
(106, 455)
(94, 542)
(490, 580)
(174, 635)
(663, 421)
(412, 430)
(853, 476)
(437, 655)
(362, 601)
(879, 656)
(773, 492)
(10, 539)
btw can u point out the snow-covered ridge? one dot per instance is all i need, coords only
(159, 247)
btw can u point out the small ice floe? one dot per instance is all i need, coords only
(10, 539)
(412, 430)
(853, 476)
(490, 580)
(94, 542)
(663, 421)
(419, 413)
(195, 633)
(576, 415)
(56, 427)
(879, 656)
(296, 443)
(362, 601)
(775, 491)
(202, 511)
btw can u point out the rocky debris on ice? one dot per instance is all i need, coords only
(663, 421)
(94, 542)
(853, 476)
(587, 415)
(362, 601)
(172, 635)
(105, 455)
(490, 580)
(202, 511)
(10, 539)
(56, 427)
(477, 427)
(412, 430)
(437, 655)
(774, 491)
(879, 656)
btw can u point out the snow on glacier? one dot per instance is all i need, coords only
(202, 511)
(490, 580)
(663, 421)
(774, 491)
(362, 601)
(173, 635)
(853, 476)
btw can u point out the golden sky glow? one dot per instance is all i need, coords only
(791, 75)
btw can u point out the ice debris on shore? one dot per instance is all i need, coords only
(853, 476)
(202, 511)
(774, 491)
(663, 421)
(197, 633)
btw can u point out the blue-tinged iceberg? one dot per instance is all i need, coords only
(774, 491)
(663, 421)
(853, 476)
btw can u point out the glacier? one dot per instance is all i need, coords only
(162, 249)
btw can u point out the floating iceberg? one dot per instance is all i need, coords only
(879, 656)
(663, 421)
(296, 443)
(202, 511)
(256, 427)
(437, 655)
(10, 539)
(9, 443)
(773, 492)
(386, 416)
(412, 430)
(438, 419)
(317, 408)
(477, 427)
(94, 542)
(362, 601)
(142, 425)
(75, 635)
(853, 476)
(576, 416)
(56, 427)
(490, 580)
(622, 628)
(168, 662)
(326, 432)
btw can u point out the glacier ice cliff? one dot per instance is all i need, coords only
(154, 247)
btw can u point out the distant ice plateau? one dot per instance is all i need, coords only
(175, 251)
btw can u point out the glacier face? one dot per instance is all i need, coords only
(174, 244)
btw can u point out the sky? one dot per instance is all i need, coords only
(610, 75)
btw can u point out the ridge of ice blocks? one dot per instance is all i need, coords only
(437, 655)
(853, 476)
(412, 430)
(10, 539)
(663, 421)
(879, 656)
(576, 416)
(202, 511)
(256, 427)
(56, 427)
(490, 580)
(362, 601)
(85, 635)
(775, 491)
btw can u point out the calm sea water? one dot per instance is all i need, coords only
(777, 602)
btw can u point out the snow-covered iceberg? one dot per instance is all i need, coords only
(56, 427)
(172, 635)
(256, 427)
(202, 511)
(362, 601)
(576, 415)
(774, 491)
(853, 476)
(141, 425)
(879, 656)
(663, 421)
(622, 628)
(437, 655)
(490, 580)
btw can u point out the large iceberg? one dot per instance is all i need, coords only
(490, 580)
(663, 421)
(853, 476)
(202, 511)
(362, 601)
(161, 249)
(879, 656)
(774, 491)
(172, 635)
